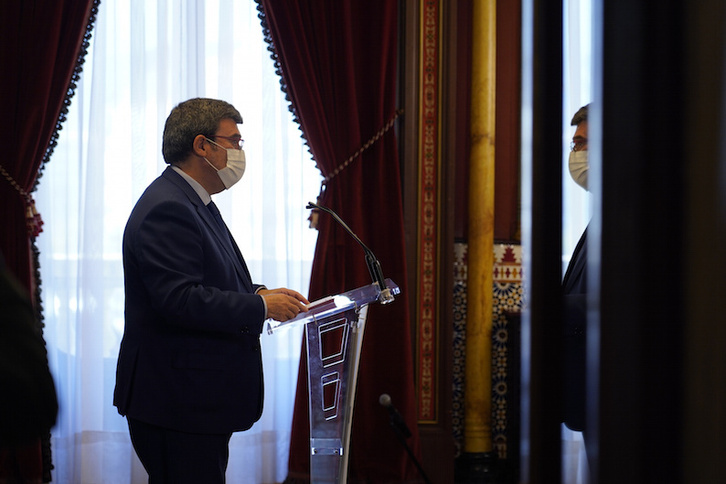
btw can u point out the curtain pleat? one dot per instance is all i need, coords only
(338, 61)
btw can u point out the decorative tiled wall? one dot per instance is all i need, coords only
(507, 298)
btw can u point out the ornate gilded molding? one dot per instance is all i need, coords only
(428, 212)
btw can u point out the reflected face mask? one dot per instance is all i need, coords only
(578, 167)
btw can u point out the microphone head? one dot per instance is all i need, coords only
(385, 296)
(385, 400)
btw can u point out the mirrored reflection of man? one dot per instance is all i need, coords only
(190, 366)
(574, 287)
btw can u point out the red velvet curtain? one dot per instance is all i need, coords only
(42, 47)
(338, 61)
(43, 44)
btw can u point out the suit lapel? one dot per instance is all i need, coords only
(222, 236)
(577, 265)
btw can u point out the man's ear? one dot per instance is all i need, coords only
(198, 146)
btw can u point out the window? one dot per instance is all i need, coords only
(146, 57)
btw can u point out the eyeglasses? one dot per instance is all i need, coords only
(238, 142)
(578, 144)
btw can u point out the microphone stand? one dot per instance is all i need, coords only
(401, 435)
(374, 267)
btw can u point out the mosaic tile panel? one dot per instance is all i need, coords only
(507, 297)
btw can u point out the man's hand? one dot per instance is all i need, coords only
(283, 304)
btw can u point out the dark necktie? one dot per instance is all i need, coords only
(228, 242)
(217, 216)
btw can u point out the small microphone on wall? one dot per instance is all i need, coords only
(396, 419)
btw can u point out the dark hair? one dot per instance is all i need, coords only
(190, 119)
(580, 116)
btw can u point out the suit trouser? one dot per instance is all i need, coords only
(173, 457)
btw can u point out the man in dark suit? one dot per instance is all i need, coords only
(574, 286)
(190, 366)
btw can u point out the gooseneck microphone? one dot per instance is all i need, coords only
(374, 267)
(401, 430)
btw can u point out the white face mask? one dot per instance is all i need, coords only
(579, 167)
(236, 164)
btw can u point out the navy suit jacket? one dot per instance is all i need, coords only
(574, 286)
(190, 356)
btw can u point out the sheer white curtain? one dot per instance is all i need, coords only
(145, 58)
(577, 88)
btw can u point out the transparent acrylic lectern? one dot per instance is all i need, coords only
(334, 329)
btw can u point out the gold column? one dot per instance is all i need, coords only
(478, 373)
